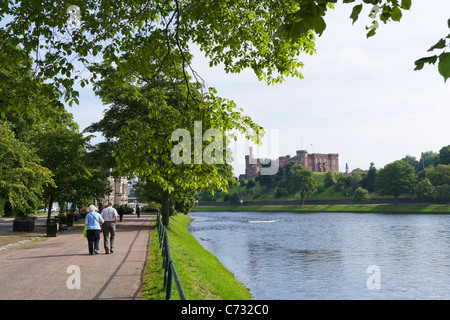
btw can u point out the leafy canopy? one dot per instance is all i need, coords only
(22, 177)
(47, 45)
(396, 178)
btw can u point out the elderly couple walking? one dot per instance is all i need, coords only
(96, 223)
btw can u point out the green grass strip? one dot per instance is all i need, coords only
(202, 275)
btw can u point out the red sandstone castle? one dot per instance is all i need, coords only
(317, 162)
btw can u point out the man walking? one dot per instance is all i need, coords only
(109, 215)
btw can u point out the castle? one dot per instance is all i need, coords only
(316, 162)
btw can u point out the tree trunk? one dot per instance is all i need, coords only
(165, 207)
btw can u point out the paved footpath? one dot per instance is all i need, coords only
(52, 268)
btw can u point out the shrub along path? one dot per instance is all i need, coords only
(61, 268)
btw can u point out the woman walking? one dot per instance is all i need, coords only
(93, 221)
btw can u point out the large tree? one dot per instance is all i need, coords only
(444, 155)
(63, 150)
(166, 131)
(396, 178)
(22, 177)
(59, 39)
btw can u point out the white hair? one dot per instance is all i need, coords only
(92, 208)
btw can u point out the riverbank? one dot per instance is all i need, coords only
(202, 275)
(367, 208)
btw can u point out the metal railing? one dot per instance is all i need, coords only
(170, 272)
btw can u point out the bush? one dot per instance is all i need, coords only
(235, 198)
(443, 193)
(250, 184)
(360, 196)
(281, 192)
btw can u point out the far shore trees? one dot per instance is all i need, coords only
(396, 178)
(360, 196)
(300, 180)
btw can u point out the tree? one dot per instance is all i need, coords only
(356, 180)
(438, 175)
(235, 198)
(412, 161)
(443, 193)
(300, 180)
(395, 178)
(444, 155)
(166, 136)
(360, 196)
(371, 176)
(267, 36)
(425, 191)
(427, 159)
(22, 178)
(63, 150)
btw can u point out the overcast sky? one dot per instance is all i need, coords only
(360, 98)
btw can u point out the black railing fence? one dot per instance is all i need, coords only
(170, 272)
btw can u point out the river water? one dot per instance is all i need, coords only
(287, 256)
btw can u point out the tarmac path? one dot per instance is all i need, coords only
(60, 268)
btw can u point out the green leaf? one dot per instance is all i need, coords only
(444, 65)
(396, 14)
(355, 12)
(406, 4)
(371, 33)
(320, 26)
(439, 45)
(419, 63)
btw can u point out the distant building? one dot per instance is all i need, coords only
(316, 162)
(119, 193)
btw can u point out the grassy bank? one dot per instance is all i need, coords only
(201, 274)
(368, 208)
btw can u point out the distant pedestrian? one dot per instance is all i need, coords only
(138, 211)
(121, 212)
(93, 223)
(109, 214)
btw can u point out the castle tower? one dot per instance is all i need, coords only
(302, 158)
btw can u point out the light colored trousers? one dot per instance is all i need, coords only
(109, 234)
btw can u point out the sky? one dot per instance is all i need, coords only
(360, 98)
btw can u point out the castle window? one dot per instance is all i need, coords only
(301, 159)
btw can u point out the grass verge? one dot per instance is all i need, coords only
(367, 208)
(202, 275)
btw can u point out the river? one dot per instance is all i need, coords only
(291, 256)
